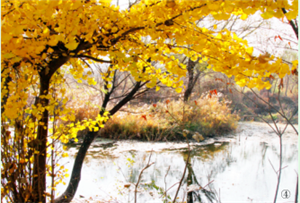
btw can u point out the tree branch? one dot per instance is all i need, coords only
(92, 58)
(291, 23)
(140, 176)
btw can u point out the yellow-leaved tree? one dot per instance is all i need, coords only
(41, 38)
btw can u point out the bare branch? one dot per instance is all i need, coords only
(272, 167)
(140, 176)
(275, 110)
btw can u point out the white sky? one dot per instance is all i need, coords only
(263, 38)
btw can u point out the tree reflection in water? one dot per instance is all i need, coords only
(198, 192)
(237, 166)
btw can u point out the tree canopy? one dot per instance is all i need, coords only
(40, 37)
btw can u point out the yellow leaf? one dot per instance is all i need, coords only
(249, 50)
(108, 2)
(50, 50)
(213, 6)
(266, 15)
(291, 15)
(65, 154)
(219, 36)
(244, 16)
(53, 42)
(114, 29)
(11, 113)
(178, 90)
(72, 45)
(44, 56)
(46, 31)
(8, 55)
(91, 81)
(229, 8)
(221, 16)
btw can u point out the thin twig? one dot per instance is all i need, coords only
(166, 182)
(277, 131)
(140, 176)
(282, 168)
(208, 184)
(168, 189)
(273, 167)
(275, 110)
(280, 164)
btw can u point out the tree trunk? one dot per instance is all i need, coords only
(39, 165)
(69, 193)
(191, 79)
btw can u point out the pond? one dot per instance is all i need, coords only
(234, 168)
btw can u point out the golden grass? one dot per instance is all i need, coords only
(209, 115)
(166, 121)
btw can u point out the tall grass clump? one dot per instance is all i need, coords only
(209, 115)
(136, 126)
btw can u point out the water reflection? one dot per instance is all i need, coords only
(236, 169)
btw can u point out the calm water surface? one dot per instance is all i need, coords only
(237, 168)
